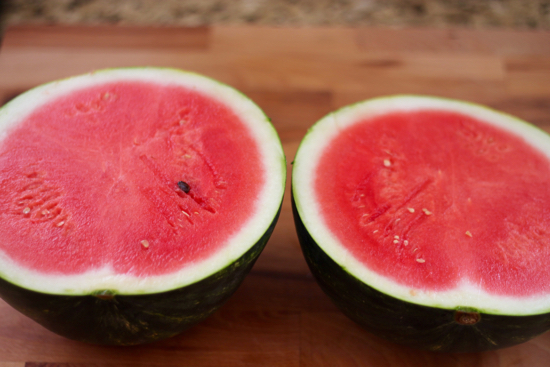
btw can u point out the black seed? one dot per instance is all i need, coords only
(183, 186)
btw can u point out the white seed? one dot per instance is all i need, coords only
(410, 210)
(468, 234)
(375, 231)
(396, 237)
(185, 213)
(406, 242)
(395, 241)
(60, 223)
(426, 211)
(387, 162)
(27, 210)
(420, 261)
(145, 243)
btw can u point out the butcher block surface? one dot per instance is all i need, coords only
(279, 316)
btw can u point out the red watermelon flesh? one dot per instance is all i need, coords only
(91, 180)
(432, 198)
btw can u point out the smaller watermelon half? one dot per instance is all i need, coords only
(427, 221)
(133, 201)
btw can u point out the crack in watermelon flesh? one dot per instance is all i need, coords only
(91, 180)
(433, 198)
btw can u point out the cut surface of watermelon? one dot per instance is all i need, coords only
(435, 202)
(133, 180)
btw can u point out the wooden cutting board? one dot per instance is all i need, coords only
(279, 316)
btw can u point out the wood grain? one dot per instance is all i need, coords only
(279, 316)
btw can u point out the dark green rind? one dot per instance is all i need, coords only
(133, 319)
(409, 324)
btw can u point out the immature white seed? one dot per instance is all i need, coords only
(396, 237)
(375, 231)
(145, 243)
(426, 211)
(387, 162)
(27, 210)
(185, 213)
(60, 223)
(420, 261)
(468, 234)
(395, 241)
(406, 242)
(411, 210)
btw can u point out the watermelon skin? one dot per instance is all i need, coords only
(102, 318)
(409, 324)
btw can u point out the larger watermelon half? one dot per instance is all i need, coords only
(133, 201)
(427, 221)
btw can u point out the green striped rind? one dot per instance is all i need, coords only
(133, 319)
(410, 324)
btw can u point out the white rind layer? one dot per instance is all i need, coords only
(266, 207)
(318, 138)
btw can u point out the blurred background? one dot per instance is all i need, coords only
(525, 14)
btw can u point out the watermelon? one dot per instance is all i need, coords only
(134, 201)
(427, 221)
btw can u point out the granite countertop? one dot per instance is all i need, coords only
(523, 14)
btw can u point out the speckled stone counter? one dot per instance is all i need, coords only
(525, 14)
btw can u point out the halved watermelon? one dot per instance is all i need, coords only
(427, 221)
(134, 201)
